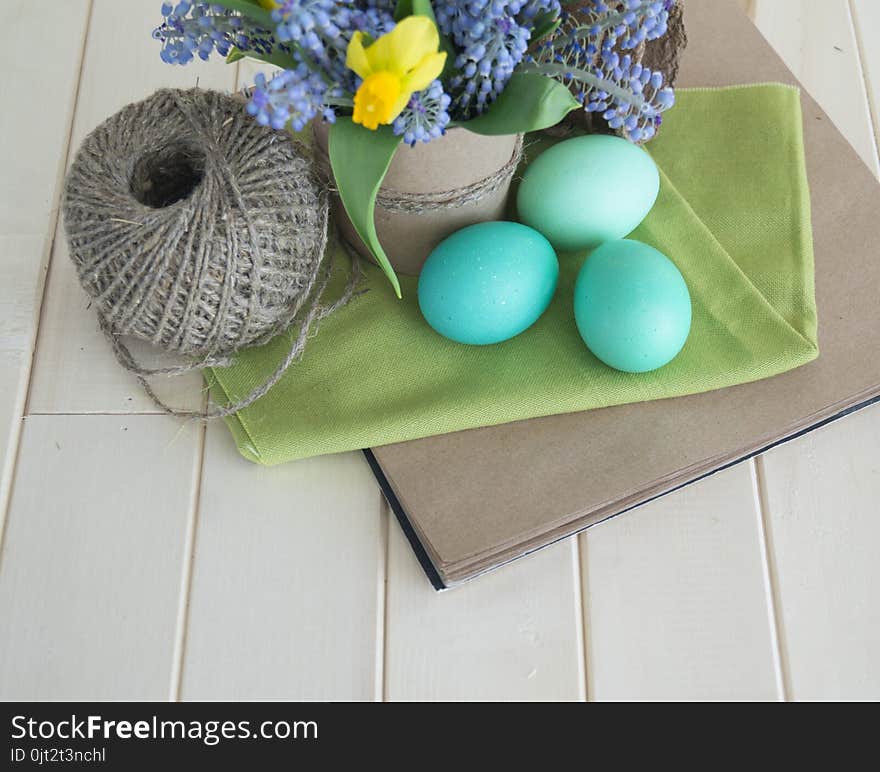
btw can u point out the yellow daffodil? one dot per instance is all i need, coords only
(270, 5)
(394, 67)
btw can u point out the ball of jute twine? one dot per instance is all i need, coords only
(195, 229)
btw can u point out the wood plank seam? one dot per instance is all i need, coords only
(771, 572)
(53, 225)
(580, 616)
(863, 74)
(7, 480)
(382, 650)
(873, 107)
(189, 557)
(586, 627)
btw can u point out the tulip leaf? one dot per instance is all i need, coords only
(360, 159)
(530, 102)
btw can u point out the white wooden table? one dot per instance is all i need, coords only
(145, 560)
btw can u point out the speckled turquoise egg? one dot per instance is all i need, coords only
(588, 190)
(632, 306)
(488, 282)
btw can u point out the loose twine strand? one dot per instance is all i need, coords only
(307, 328)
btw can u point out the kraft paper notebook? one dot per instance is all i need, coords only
(473, 500)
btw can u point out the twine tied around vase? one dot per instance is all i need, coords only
(405, 202)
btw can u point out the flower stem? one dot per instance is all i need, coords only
(554, 69)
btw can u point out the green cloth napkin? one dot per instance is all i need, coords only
(733, 214)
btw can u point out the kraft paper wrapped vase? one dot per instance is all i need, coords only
(432, 190)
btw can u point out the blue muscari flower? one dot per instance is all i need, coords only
(192, 29)
(291, 98)
(425, 117)
(626, 24)
(630, 97)
(492, 37)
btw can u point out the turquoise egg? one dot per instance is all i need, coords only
(588, 190)
(632, 306)
(488, 282)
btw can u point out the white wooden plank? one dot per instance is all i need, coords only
(513, 634)
(676, 598)
(818, 43)
(74, 370)
(821, 497)
(866, 16)
(32, 156)
(91, 563)
(288, 580)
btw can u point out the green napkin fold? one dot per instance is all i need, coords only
(734, 216)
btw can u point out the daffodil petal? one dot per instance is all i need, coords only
(424, 73)
(377, 100)
(405, 46)
(398, 107)
(356, 58)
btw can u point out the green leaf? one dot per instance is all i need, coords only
(360, 159)
(447, 46)
(545, 25)
(234, 56)
(402, 9)
(278, 58)
(252, 10)
(414, 8)
(259, 15)
(530, 102)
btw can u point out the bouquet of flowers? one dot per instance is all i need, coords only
(387, 73)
